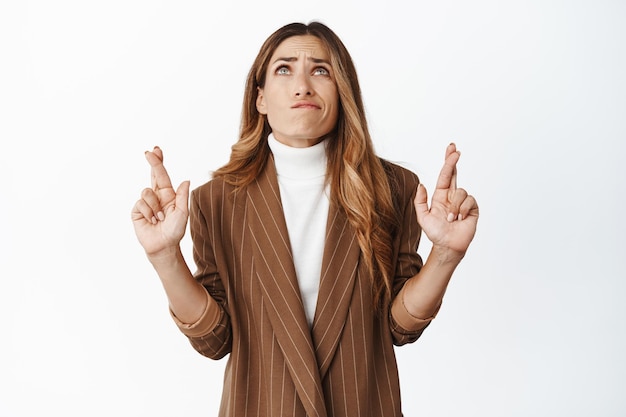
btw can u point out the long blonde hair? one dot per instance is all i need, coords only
(358, 179)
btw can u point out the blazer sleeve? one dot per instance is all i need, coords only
(211, 335)
(408, 261)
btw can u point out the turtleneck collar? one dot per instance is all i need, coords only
(298, 163)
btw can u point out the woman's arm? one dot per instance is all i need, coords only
(160, 218)
(450, 224)
(188, 299)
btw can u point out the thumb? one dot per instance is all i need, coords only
(182, 196)
(421, 203)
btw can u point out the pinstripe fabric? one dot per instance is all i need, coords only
(345, 364)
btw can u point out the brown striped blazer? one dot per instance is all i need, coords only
(344, 365)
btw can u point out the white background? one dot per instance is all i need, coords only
(533, 93)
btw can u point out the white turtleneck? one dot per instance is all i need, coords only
(304, 195)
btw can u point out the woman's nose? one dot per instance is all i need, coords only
(303, 86)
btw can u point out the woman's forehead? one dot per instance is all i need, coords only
(302, 45)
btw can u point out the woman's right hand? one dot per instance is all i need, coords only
(160, 215)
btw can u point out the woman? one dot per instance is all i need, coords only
(305, 243)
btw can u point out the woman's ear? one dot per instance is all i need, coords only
(260, 101)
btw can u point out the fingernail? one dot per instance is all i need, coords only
(161, 216)
(450, 217)
(460, 217)
(153, 220)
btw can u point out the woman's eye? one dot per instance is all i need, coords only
(321, 71)
(282, 71)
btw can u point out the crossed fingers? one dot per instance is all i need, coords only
(152, 201)
(460, 202)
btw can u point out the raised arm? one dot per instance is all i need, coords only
(160, 218)
(450, 224)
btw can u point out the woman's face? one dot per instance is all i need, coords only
(300, 95)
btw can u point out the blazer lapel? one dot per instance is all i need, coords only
(339, 269)
(277, 275)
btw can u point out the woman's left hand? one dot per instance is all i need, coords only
(450, 222)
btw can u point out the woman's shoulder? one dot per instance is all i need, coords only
(215, 189)
(401, 178)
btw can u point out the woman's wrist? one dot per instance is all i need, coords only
(168, 256)
(445, 256)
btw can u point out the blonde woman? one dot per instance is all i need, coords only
(305, 243)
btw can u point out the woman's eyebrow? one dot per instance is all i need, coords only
(319, 61)
(294, 59)
(285, 59)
